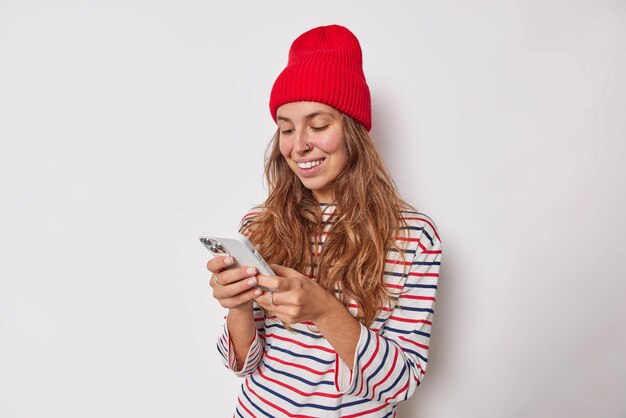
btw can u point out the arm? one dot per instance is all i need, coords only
(389, 365)
(298, 299)
(241, 342)
(340, 328)
(242, 350)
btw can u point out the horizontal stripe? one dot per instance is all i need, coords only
(299, 331)
(307, 382)
(414, 309)
(301, 355)
(426, 263)
(416, 297)
(415, 353)
(299, 366)
(414, 321)
(422, 286)
(422, 346)
(405, 332)
(301, 344)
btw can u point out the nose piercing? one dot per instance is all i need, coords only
(308, 147)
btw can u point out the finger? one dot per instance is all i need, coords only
(284, 271)
(272, 282)
(226, 277)
(228, 291)
(216, 264)
(280, 299)
(263, 302)
(282, 312)
(241, 298)
(273, 309)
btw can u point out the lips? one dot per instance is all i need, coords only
(310, 164)
(310, 168)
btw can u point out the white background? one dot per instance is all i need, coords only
(128, 128)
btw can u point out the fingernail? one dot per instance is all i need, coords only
(251, 270)
(258, 292)
(252, 281)
(228, 260)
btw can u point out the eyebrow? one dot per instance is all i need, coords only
(307, 117)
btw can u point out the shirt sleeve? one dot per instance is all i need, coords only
(255, 352)
(390, 364)
(257, 347)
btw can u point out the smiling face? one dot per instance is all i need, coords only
(321, 127)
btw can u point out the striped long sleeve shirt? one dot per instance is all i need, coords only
(297, 373)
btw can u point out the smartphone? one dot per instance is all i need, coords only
(241, 249)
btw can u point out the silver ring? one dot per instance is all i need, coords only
(308, 147)
(215, 281)
(272, 298)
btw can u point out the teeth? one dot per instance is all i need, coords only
(310, 164)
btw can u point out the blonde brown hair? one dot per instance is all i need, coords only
(366, 222)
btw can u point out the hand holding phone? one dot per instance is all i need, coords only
(242, 251)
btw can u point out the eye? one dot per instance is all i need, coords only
(319, 128)
(286, 132)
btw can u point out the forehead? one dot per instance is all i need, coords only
(301, 110)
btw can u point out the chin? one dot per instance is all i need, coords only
(313, 185)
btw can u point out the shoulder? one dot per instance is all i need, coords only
(248, 220)
(419, 231)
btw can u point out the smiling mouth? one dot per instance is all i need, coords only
(310, 164)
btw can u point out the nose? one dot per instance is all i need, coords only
(300, 144)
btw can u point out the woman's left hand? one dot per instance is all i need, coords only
(296, 298)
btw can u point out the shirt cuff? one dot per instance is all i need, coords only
(346, 378)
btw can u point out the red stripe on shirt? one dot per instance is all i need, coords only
(413, 321)
(318, 347)
(371, 359)
(425, 347)
(409, 239)
(299, 392)
(246, 409)
(395, 286)
(395, 357)
(407, 296)
(402, 389)
(299, 366)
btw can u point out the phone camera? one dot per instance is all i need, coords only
(214, 246)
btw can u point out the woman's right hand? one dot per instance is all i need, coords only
(234, 288)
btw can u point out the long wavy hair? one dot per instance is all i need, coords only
(366, 222)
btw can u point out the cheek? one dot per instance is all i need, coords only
(285, 147)
(332, 144)
(342, 160)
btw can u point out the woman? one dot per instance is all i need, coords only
(345, 330)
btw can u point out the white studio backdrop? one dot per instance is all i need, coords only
(129, 128)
